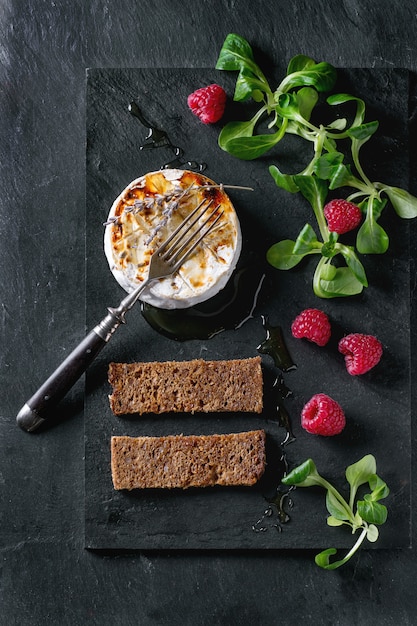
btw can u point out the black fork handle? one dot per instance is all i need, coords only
(39, 409)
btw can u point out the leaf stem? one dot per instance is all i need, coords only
(355, 156)
(321, 221)
(357, 544)
(317, 278)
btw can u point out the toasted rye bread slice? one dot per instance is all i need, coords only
(178, 461)
(187, 386)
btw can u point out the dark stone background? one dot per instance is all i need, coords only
(46, 575)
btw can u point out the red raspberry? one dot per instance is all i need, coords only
(323, 416)
(342, 216)
(362, 352)
(313, 325)
(208, 103)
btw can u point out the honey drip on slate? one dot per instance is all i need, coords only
(274, 345)
(277, 496)
(157, 138)
(228, 310)
(281, 500)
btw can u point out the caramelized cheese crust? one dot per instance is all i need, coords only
(147, 212)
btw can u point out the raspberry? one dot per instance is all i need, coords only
(323, 416)
(362, 352)
(342, 216)
(312, 324)
(208, 103)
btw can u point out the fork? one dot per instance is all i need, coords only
(165, 261)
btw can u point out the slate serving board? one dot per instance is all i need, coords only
(377, 405)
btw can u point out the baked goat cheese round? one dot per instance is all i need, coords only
(144, 215)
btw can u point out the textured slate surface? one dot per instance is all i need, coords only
(46, 576)
(224, 518)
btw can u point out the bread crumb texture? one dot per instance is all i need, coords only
(178, 461)
(187, 386)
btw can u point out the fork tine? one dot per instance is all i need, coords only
(184, 257)
(186, 222)
(170, 254)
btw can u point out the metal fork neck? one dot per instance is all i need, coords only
(116, 315)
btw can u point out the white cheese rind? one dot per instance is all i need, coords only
(134, 229)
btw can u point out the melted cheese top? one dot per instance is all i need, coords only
(144, 215)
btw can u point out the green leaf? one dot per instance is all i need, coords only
(304, 475)
(284, 181)
(341, 98)
(235, 53)
(343, 284)
(287, 106)
(333, 521)
(313, 189)
(372, 512)
(353, 263)
(371, 237)
(328, 271)
(247, 85)
(327, 164)
(379, 487)
(374, 204)
(405, 205)
(358, 521)
(363, 132)
(296, 106)
(338, 124)
(328, 250)
(281, 255)
(307, 99)
(372, 533)
(250, 148)
(359, 473)
(335, 508)
(237, 139)
(233, 130)
(299, 63)
(257, 95)
(323, 559)
(244, 88)
(306, 241)
(341, 176)
(321, 76)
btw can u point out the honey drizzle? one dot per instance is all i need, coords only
(158, 138)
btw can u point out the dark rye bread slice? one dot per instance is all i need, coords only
(179, 461)
(187, 386)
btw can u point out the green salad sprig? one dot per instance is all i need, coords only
(288, 110)
(364, 514)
